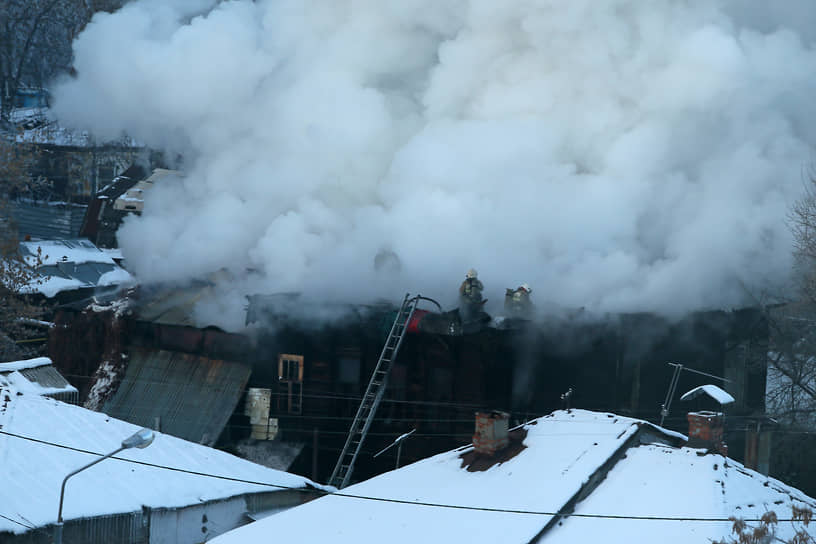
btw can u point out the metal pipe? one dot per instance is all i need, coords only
(77, 471)
(140, 439)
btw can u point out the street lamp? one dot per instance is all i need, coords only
(140, 439)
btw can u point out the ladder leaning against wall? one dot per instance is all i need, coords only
(374, 392)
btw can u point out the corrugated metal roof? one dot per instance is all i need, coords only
(192, 396)
(48, 381)
(46, 376)
(172, 307)
(47, 221)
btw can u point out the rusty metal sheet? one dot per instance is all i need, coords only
(193, 397)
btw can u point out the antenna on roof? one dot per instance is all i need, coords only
(398, 443)
(566, 398)
(678, 368)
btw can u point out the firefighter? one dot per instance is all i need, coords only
(470, 295)
(517, 302)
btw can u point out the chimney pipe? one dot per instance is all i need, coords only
(706, 431)
(491, 432)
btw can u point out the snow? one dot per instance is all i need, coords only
(65, 259)
(22, 365)
(48, 132)
(32, 472)
(118, 306)
(564, 450)
(11, 377)
(51, 286)
(39, 322)
(117, 276)
(113, 253)
(711, 390)
(561, 452)
(17, 382)
(660, 481)
(57, 251)
(102, 383)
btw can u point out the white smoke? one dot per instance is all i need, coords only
(618, 156)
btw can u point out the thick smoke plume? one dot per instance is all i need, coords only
(618, 156)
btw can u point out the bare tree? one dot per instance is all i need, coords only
(35, 41)
(790, 393)
(19, 310)
(765, 531)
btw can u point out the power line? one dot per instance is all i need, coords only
(392, 500)
(515, 416)
(17, 522)
(318, 394)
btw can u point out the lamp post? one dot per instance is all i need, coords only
(140, 439)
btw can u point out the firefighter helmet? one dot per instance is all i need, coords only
(471, 274)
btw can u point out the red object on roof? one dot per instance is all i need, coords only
(413, 324)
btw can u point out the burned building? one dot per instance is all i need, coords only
(121, 197)
(159, 367)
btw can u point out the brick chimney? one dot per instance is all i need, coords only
(491, 432)
(706, 431)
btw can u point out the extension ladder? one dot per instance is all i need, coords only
(373, 394)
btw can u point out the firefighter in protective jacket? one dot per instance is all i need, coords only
(517, 301)
(470, 295)
(471, 289)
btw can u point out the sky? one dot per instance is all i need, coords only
(616, 156)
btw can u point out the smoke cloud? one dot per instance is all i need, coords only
(617, 156)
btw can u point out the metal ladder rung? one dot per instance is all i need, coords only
(371, 398)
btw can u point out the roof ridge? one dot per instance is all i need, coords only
(594, 480)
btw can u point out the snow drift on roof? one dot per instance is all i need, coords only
(712, 391)
(27, 363)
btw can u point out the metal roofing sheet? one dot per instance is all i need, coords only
(38, 379)
(173, 307)
(193, 397)
(46, 376)
(87, 274)
(46, 221)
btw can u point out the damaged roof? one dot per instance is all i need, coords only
(190, 396)
(172, 305)
(122, 182)
(575, 462)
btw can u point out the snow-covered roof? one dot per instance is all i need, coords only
(50, 252)
(563, 466)
(712, 391)
(133, 198)
(659, 481)
(37, 126)
(24, 365)
(66, 265)
(59, 439)
(36, 376)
